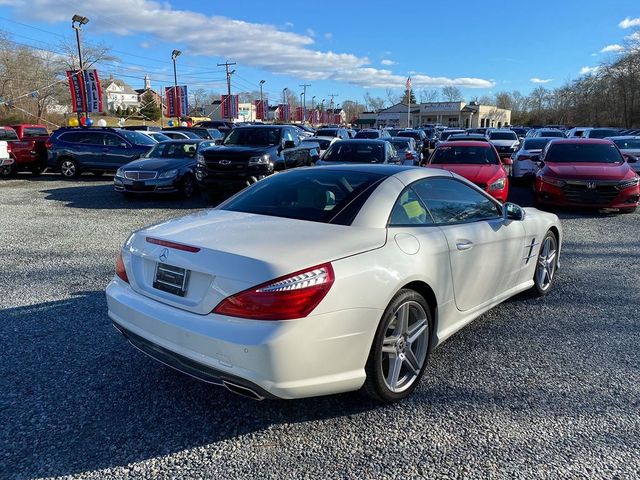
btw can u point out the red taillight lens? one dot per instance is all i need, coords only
(523, 157)
(409, 156)
(177, 246)
(285, 298)
(9, 147)
(48, 144)
(120, 270)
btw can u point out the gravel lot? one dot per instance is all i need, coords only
(535, 388)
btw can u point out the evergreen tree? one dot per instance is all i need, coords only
(149, 108)
(406, 97)
(119, 111)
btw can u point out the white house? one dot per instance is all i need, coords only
(119, 94)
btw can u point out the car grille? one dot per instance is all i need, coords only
(599, 194)
(224, 165)
(137, 175)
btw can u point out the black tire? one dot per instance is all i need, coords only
(9, 171)
(69, 168)
(542, 284)
(376, 384)
(628, 210)
(36, 169)
(187, 187)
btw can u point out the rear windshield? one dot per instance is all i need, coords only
(465, 155)
(137, 138)
(365, 134)
(8, 134)
(414, 135)
(34, 132)
(401, 145)
(355, 152)
(631, 144)
(445, 135)
(583, 153)
(324, 144)
(174, 150)
(603, 133)
(551, 133)
(316, 195)
(327, 132)
(535, 143)
(503, 136)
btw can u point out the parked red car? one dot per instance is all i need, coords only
(478, 162)
(27, 147)
(586, 173)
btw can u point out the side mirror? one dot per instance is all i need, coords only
(511, 211)
(123, 145)
(289, 144)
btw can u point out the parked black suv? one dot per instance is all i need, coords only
(249, 154)
(422, 142)
(73, 150)
(221, 125)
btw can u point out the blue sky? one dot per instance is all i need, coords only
(345, 48)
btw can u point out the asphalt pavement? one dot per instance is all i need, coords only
(536, 388)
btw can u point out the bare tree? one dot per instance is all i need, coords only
(373, 104)
(451, 94)
(430, 95)
(392, 97)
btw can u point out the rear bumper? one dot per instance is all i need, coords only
(5, 162)
(318, 355)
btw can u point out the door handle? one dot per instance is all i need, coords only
(464, 245)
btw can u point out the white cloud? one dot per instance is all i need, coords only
(145, 45)
(253, 44)
(387, 63)
(614, 48)
(633, 38)
(288, 24)
(629, 22)
(311, 32)
(540, 80)
(328, 35)
(588, 70)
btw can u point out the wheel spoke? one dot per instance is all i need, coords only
(389, 344)
(403, 319)
(412, 361)
(395, 365)
(551, 257)
(417, 330)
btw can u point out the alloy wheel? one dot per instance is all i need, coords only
(405, 346)
(546, 262)
(68, 168)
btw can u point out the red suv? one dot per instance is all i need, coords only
(586, 173)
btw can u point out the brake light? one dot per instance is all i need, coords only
(409, 156)
(523, 157)
(177, 246)
(48, 144)
(293, 296)
(9, 147)
(121, 272)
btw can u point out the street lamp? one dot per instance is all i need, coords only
(175, 54)
(261, 101)
(284, 98)
(301, 102)
(313, 112)
(76, 23)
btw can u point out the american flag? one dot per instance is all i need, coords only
(408, 84)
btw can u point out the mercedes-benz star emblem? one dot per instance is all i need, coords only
(225, 162)
(164, 254)
(591, 185)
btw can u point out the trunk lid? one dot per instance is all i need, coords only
(237, 251)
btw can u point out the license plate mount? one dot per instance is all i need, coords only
(171, 279)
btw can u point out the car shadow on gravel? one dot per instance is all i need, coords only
(77, 397)
(90, 195)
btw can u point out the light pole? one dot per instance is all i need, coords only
(262, 101)
(76, 23)
(284, 99)
(175, 54)
(313, 112)
(301, 100)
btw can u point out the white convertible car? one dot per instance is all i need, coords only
(327, 279)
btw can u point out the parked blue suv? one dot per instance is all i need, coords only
(75, 150)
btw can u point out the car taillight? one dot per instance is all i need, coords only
(293, 296)
(9, 147)
(409, 156)
(524, 157)
(120, 270)
(48, 144)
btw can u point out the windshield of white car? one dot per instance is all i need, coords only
(465, 155)
(355, 152)
(583, 153)
(174, 150)
(316, 195)
(602, 133)
(137, 138)
(503, 136)
(257, 137)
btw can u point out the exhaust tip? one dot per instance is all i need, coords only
(242, 391)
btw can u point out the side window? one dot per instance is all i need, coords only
(286, 135)
(112, 140)
(451, 201)
(409, 211)
(87, 138)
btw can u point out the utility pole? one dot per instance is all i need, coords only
(176, 101)
(264, 112)
(226, 66)
(313, 110)
(304, 100)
